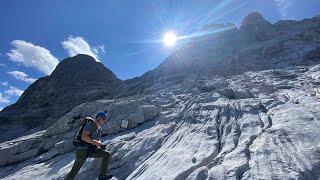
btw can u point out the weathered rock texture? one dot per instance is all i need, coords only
(254, 116)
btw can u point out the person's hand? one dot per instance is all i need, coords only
(98, 143)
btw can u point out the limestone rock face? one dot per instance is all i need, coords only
(254, 27)
(257, 45)
(192, 130)
(252, 114)
(252, 18)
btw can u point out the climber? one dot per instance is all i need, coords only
(91, 146)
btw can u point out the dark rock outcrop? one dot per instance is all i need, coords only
(82, 69)
(254, 27)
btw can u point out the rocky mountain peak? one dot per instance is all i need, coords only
(254, 27)
(82, 68)
(252, 18)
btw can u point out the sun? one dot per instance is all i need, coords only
(169, 39)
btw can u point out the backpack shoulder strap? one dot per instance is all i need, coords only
(90, 120)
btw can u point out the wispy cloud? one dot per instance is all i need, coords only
(22, 76)
(102, 49)
(3, 65)
(5, 83)
(283, 7)
(3, 99)
(78, 45)
(31, 55)
(14, 91)
(99, 49)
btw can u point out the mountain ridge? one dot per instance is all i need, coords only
(238, 104)
(239, 50)
(229, 52)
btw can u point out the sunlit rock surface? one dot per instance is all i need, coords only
(266, 127)
(259, 119)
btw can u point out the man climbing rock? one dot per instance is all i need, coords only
(91, 146)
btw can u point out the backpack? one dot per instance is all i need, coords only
(77, 138)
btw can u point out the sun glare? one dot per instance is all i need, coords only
(169, 39)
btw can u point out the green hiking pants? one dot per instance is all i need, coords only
(82, 154)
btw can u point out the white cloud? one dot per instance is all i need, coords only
(14, 91)
(3, 99)
(1, 108)
(3, 65)
(95, 50)
(102, 49)
(283, 7)
(22, 76)
(31, 55)
(77, 45)
(5, 83)
(98, 50)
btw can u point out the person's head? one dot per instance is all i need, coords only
(101, 117)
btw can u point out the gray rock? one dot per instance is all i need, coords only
(251, 114)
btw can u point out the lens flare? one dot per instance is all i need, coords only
(169, 39)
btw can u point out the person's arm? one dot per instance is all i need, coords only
(85, 137)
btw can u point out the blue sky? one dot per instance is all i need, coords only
(126, 36)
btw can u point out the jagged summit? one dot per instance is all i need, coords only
(252, 18)
(254, 28)
(257, 45)
(82, 68)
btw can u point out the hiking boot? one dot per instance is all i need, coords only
(105, 176)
